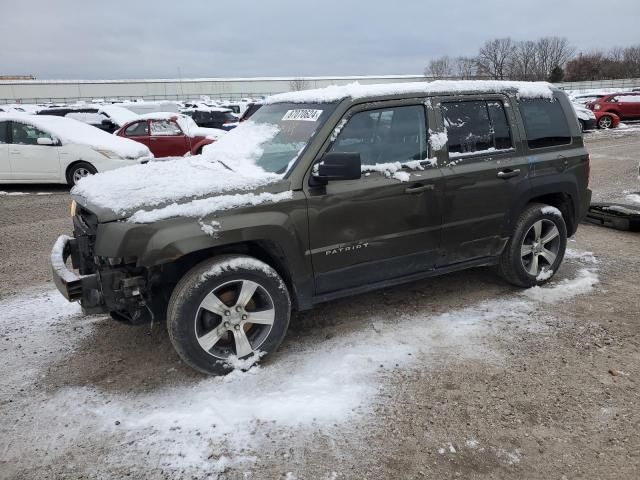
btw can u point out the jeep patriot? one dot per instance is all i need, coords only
(327, 193)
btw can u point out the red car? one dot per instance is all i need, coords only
(169, 134)
(625, 106)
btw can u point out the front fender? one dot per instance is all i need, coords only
(195, 148)
(281, 223)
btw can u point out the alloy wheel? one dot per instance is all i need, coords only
(540, 247)
(605, 122)
(234, 319)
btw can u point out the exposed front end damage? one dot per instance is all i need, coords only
(102, 285)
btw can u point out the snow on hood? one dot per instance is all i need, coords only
(225, 166)
(70, 131)
(354, 90)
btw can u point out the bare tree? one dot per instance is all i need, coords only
(523, 61)
(465, 67)
(495, 56)
(298, 84)
(439, 68)
(551, 52)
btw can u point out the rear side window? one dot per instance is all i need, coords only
(164, 128)
(544, 123)
(475, 127)
(4, 135)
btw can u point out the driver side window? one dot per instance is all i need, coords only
(386, 135)
(23, 134)
(138, 129)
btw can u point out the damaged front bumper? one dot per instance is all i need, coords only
(108, 287)
(72, 286)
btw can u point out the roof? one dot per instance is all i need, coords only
(355, 90)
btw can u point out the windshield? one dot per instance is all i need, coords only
(296, 125)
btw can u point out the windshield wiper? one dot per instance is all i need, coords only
(225, 165)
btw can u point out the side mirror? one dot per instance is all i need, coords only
(45, 141)
(337, 166)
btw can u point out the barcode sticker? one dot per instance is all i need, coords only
(303, 115)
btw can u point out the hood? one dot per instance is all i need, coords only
(226, 171)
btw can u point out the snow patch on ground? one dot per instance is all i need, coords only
(564, 289)
(216, 424)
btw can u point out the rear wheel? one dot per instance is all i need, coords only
(226, 309)
(536, 248)
(605, 121)
(78, 171)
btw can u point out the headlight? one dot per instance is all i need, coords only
(106, 153)
(596, 107)
(73, 208)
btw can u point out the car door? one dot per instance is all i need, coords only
(629, 105)
(5, 164)
(484, 172)
(385, 225)
(139, 131)
(30, 161)
(167, 139)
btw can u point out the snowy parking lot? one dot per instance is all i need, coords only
(461, 376)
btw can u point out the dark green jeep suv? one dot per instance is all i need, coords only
(327, 193)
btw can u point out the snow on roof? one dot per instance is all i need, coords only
(119, 115)
(334, 93)
(129, 189)
(70, 131)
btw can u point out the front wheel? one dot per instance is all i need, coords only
(78, 171)
(605, 122)
(536, 248)
(226, 309)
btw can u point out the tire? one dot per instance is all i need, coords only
(210, 312)
(605, 122)
(79, 170)
(582, 126)
(532, 255)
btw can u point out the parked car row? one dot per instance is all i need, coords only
(51, 149)
(612, 108)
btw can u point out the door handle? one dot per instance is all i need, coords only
(153, 139)
(418, 188)
(504, 174)
(15, 152)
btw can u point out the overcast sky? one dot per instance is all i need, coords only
(210, 38)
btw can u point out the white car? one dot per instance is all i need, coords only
(49, 149)
(586, 117)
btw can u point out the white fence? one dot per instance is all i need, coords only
(64, 91)
(39, 91)
(620, 84)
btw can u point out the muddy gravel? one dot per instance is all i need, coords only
(460, 376)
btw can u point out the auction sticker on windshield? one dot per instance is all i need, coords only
(303, 114)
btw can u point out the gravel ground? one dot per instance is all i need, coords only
(460, 376)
